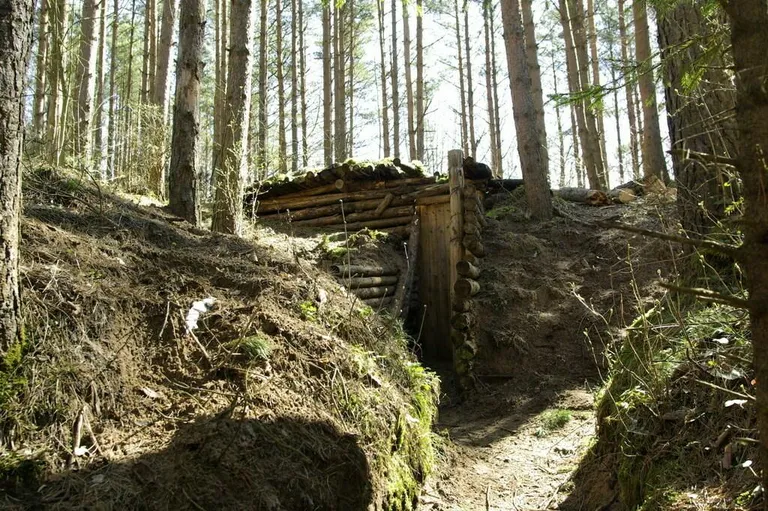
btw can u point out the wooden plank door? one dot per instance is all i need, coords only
(435, 281)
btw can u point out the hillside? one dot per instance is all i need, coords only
(287, 394)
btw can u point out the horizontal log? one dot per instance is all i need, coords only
(467, 269)
(463, 321)
(334, 187)
(333, 209)
(359, 186)
(471, 258)
(385, 202)
(401, 230)
(583, 196)
(357, 270)
(429, 191)
(505, 184)
(356, 217)
(435, 199)
(374, 292)
(376, 303)
(465, 288)
(474, 245)
(374, 224)
(462, 305)
(470, 227)
(360, 282)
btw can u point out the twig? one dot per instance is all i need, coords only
(487, 498)
(707, 294)
(704, 157)
(195, 504)
(727, 391)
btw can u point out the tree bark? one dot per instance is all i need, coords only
(653, 152)
(384, 95)
(560, 134)
(419, 81)
(113, 115)
(101, 120)
(294, 91)
(532, 161)
(15, 40)
(700, 117)
(281, 135)
(409, 82)
(462, 92)
(228, 202)
(499, 167)
(303, 84)
(41, 64)
(395, 92)
(164, 55)
(58, 14)
(616, 116)
(351, 93)
(487, 6)
(532, 56)
(470, 87)
(327, 84)
(185, 144)
(86, 79)
(628, 90)
(598, 108)
(749, 41)
(263, 119)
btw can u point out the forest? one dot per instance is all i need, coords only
(446, 255)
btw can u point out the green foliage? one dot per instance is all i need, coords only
(308, 311)
(555, 419)
(256, 347)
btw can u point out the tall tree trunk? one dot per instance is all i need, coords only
(496, 105)
(700, 119)
(535, 171)
(41, 64)
(281, 135)
(101, 70)
(339, 93)
(58, 14)
(126, 142)
(164, 55)
(384, 96)
(227, 211)
(220, 90)
(653, 152)
(408, 82)
(15, 40)
(327, 86)
(294, 92)
(185, 144)
(578, 166)
(616, 116)
(595, 64)
(489, 87)
(303, 84)
(628, 90)
(750, 40)
(462, 92)
(86, 79)
(395, 92)
(150, 52)
(351, 95)
(263, 127)
(470, 87)
(532, 57)
(113, 116)
(578, 80)
(419, 81)
(560, 134)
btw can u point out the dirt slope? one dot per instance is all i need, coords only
(287, 396)
(553, 297)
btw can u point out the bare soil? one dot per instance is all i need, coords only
(554, 299)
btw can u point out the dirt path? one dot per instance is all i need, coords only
(501, 453)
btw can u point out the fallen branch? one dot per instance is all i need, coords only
(728, 250)
(708, 294)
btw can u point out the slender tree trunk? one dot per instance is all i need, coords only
(294, 92)
(653, 151)
(352, 35)
(164, 55)
(595, 63)
(628, 88)
(150, 52)
(462, 92)
(535, 171)
(340, 93)
(489, 87)
(86, 79)
(470, 87)
(58, 14)
(384, 97)
(750, 40)
(113, 116)
(616, 116)
(227, 211)
(263, 127)
(532, 56)
(496, 110)
(558, 115)
(419, 81)
(409, 82)
(101, 119)
(395, 91)
(185, 144)
(38, 107)
(126, 142)
(281, 134)
(327, 86)
(303, 84)
(15, 40)
(578, 166)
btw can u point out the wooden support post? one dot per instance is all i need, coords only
(403, 295)
(456, 187)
